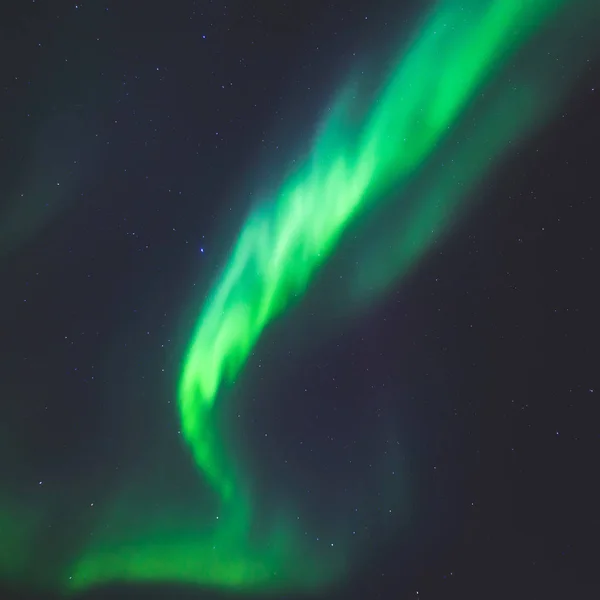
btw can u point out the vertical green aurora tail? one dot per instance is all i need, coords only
(461, 48)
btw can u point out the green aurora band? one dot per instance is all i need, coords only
(450, 74)
(283, 243)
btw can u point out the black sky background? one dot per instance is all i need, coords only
(483, 364)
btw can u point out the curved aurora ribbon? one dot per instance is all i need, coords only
(283, 243)
(451, 60)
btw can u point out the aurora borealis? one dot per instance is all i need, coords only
(284, 242)
(407, 169)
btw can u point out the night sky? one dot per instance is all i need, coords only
(299, 301)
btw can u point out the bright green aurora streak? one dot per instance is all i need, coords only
(455, 55)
